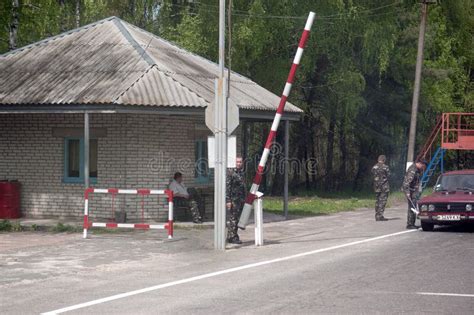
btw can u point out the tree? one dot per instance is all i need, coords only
(354, 83)
(14, 24)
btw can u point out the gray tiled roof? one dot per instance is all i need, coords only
(114, 62)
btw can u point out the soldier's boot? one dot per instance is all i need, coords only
(379, 215)
(411, 219)
(234, 240)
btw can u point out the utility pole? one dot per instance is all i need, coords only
(416, 87)
(220, 124)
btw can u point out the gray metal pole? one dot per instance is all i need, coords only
(416, 88)
(86, 149)
(221, 141)
(287, 165)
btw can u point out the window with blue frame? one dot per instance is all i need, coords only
(74, 160)
(201, 169)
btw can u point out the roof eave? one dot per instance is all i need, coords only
(258, 115)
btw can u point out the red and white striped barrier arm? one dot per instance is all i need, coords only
(114, 191)
(276, 121)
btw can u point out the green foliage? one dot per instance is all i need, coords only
(187, 34)
(16, 227)
(5, 226)
(312, 203)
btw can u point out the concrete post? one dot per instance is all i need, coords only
(258, 212)
(287, 165)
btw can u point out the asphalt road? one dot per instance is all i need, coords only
(341, 264)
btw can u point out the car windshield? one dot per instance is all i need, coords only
(455, 182)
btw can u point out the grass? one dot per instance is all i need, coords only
(7, 226)
(326, 203)
(62, 228)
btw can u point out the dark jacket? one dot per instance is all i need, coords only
(411, 182)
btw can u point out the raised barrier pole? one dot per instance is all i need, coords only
(244, 218)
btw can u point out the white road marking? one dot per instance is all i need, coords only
(445, 294)
(218, 273)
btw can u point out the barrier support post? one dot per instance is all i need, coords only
(170, 213)
(86, 223)
(258, 211)
(86, 211)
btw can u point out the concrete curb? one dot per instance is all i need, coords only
(30, 224)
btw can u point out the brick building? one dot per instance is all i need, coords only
(145, 100)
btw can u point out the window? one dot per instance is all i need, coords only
(455, 182)
(201, 166)
(74, 160)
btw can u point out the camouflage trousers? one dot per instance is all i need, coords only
(380, 202)
(233, 219)
(194, 208)
(192, 204)
(411, 216)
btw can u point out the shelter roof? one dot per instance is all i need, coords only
(114, 62)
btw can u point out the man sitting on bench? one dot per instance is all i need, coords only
(183, 197)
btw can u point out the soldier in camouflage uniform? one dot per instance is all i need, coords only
(235, 197)
(381, 174)
(410, 187)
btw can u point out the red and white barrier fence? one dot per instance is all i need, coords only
(142, 192)
(276, 121)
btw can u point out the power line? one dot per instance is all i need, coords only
(243, 13)
(364, 11)
(264, 16)
(339, 14)
(323, 20)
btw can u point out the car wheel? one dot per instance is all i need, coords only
(428, 227)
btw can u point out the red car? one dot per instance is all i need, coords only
(451, 202)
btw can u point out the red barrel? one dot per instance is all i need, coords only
(9, 200)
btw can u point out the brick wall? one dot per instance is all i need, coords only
(138, 151)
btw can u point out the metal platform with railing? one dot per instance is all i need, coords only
(457, 131)
(453, 131)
